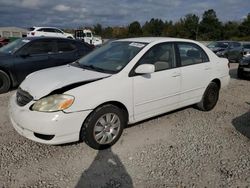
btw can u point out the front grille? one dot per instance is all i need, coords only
(23, 97)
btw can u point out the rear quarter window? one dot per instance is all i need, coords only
(64, 46)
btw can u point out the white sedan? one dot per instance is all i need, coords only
(123, 82)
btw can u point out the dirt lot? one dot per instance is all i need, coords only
(183, 148)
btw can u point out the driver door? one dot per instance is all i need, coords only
(158, 92)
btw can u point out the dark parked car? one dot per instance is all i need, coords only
(229, 49)
(24, 56)
(244, 68)
(246, 49)
(3, 41)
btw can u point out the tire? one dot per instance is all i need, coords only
(4, 82)
(97, 127)
(210, 97)
(69, 38)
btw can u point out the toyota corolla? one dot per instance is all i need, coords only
(123, 82)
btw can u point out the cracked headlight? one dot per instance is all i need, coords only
(53, 103)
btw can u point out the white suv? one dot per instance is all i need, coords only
(123, 82)
(48, 32)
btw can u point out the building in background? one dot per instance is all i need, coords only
(12, 32)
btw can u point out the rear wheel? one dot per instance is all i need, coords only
(210, 97)
(4, 82)
(103, 127)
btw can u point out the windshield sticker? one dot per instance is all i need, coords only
(25, 40)
(119, 67)
(138, 45)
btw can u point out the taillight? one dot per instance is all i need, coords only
(32, 33)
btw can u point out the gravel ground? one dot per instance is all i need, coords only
(185, 148)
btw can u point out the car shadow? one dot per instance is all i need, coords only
(242, 124)
(160, 116)
(106, 171)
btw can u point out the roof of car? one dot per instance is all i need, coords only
(227, 41)
(155, 39)
(43, 37)
(44, 27)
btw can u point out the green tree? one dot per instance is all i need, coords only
(230, 30)
(154, 27)
(108, 32)
(210, 27)
(245, 27)
(191, 26)
(168, 30)
(98, 29)
(134, 29)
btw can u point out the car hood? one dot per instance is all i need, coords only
(44, 82)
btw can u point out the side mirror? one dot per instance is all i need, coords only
(145, 69)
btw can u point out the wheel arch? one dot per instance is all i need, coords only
(119, 105)
(115, 103)
(217, 81)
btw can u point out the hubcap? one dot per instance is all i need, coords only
(107, 128)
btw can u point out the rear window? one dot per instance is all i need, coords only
(31, 29)
(64, 46)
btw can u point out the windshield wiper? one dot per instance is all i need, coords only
(98, 69)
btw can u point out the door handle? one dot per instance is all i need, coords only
(207, 68)
(176, 74)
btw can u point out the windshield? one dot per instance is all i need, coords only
(112, 57)
(13, 46)
(218, 45)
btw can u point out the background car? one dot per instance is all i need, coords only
(229, 49)
(24, 56)
(120, 83)
(244, 68)
(3, 41)
(48, 32)
(246, 49)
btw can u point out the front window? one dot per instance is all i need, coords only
(14, 46)
(112, 57)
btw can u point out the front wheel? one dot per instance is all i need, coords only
(4, 82)
(210, 97)
(103, 127)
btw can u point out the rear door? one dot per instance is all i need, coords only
(37, 57)
(67, 52)
(196, 71)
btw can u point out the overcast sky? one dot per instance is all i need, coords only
(75, 13)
